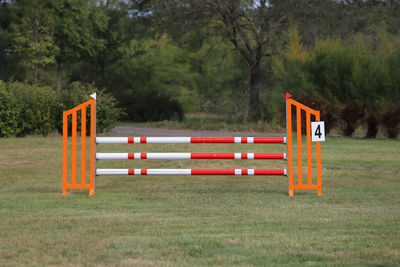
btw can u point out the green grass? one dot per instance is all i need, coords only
(205, 220)
(200, 121)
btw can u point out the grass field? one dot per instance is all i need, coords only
(204, 121)
(214, 220)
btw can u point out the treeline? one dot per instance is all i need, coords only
(160, 59)
(352, 82)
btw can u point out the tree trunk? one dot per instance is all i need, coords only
(351, 115)
(372, 123)
(59, 69)
(255, 86)
(349, 130)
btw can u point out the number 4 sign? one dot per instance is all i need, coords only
(317, 131)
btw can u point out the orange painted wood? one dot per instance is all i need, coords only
(297, 104)
(73, 169)
(83, 145)
(92, 146)
(79, 186)
(318, 145)
(309, 168)
(75, 109)
(299, 159)
(297, 187)
(65, 153)
(289, 144)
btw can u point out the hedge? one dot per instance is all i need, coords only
(29, 109)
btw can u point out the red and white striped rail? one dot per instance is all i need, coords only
(190, 155)
(191, 172)
(188, 140)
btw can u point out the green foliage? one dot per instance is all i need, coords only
(78, 24)
(221, 82)
(75, 21)
(350, 81)
(391, 70)
(346, 74)
(10, 112)
(154, 79)
(112, 36)
(33, 35)
(390, 113)
(29, 109)
(107, 111)
(290, 73)
(153, 107)
(212, 56)
(32, 108)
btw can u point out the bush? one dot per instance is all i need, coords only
(28, 109)
(10, 112)
(390, 118)
(328, 111)
(351, 117)
(351, 83)
(107, 112)
(153, 107)
(390, 114)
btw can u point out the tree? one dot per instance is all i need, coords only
(33, 35)
(112, 36)
(74, 30)
(253, 27)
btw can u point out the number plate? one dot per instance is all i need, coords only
(317, 131)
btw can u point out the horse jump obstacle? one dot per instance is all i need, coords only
(288, 156)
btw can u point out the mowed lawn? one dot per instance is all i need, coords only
(200, 220)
